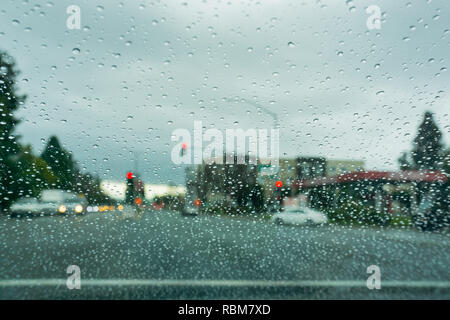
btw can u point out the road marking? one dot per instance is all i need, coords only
(223, 283)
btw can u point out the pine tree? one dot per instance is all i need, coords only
(61, 163)
(10, 101)
(427, 150)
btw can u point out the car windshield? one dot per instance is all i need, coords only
(73, 199)
(26, 201)
(168, 143)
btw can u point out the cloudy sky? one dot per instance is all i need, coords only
(137, 70)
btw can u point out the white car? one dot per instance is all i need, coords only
(31, 207)
(300, 216)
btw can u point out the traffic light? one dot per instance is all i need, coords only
(183, 149)
(278, 193)
(130, 188)
(138, 201)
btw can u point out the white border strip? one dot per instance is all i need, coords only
(221, 283)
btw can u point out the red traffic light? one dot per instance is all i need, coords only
(197, 202)
(129, 175)
(278, 184)
(184, 145)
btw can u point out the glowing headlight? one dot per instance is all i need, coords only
(78, 208)
(62, 208)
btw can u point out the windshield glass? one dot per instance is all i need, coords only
(168, 142)
(26, 201)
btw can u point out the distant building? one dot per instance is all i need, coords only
(217, 181)
(289, 171)
(292, 171)
(339, 167)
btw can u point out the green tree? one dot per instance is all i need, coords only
(427, 150)
(61, 163)
(35, 174)
(10, 101)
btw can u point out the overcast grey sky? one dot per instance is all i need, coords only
(141, 69)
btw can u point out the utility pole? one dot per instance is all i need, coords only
(136, 162)
(272, 114)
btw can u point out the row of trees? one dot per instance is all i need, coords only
(21, 172)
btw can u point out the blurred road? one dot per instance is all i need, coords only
(162, 254)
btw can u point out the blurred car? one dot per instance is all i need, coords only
(63, 202)
(189, 210)
(299, 216)
(27, 207)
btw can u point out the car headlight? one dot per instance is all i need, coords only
(78, 208)
(62, 208)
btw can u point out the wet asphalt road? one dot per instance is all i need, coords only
(163, 255)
